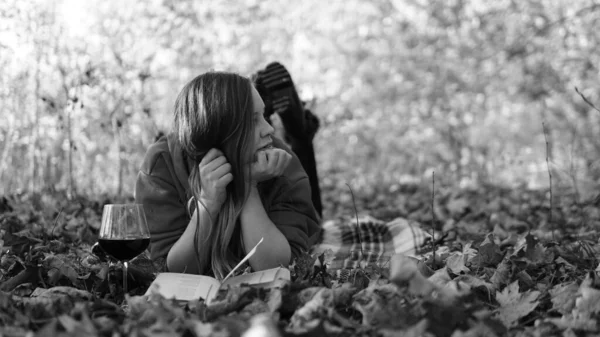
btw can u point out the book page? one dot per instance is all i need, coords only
(184, 287)
(260, 277)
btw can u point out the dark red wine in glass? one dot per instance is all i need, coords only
(124, 233)
(124, 249)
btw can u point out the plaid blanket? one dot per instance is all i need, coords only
(370, 241)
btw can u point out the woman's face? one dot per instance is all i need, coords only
(262, 130)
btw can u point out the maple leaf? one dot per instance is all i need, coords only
(385, 306)
(515, 305)
(584, 315)
(501, 275)
(58, 266)
(456, 262)
(530, 250)
(489, 253)
(589, 302)
(563, 297)
(469, 282)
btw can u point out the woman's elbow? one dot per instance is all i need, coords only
(179, 264)
(170, 262)
(282, 257)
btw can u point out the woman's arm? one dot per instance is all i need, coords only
(275, 249)
(215, 175)
(183, 258)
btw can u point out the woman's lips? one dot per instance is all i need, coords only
(266, 147)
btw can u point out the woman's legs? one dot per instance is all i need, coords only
(277, 89)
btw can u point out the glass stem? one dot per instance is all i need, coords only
(125, 265)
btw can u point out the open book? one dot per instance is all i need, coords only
(187, 287)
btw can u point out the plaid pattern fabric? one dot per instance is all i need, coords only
(372, 241)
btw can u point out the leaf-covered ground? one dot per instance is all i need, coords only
(506, 264)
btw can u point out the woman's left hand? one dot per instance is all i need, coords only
(269, 164)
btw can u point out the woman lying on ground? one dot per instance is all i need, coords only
(219, 182)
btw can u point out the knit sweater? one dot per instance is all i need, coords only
(162, 187)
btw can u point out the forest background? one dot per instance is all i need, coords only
(479, 92)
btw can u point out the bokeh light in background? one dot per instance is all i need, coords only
(402, 88)
(76, 16)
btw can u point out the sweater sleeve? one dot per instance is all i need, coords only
(292, 211)
(165, 211)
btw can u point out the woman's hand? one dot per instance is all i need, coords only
(215, 175)
(269, 164)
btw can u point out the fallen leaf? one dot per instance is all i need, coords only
(385, 307)
(470, 282)
(515, 305)
(479, 329)
(530, 250)
(60, 265)
(81, 327)
(404, 271)
(54, 292)
(502, 273)
(417, 330)
(262, 325)
(319, 299)
(571, 321)
(563, 297)
(255, 307)
(589, 302)
(489, 253)
(456, 263)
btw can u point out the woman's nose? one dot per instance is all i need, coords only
(267, 129)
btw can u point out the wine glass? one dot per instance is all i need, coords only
(124, 233)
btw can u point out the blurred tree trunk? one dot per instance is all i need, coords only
(5, 159)
(547, 130)
(71, 188)
(35, 133)
(70, 106)
(116, 127)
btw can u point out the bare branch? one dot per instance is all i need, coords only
(357, 224)
(549, 177)
(433, 218)
(587, 100)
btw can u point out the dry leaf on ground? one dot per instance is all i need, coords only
(515, 305)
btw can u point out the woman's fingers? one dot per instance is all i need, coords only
(210, 155)
(262, 159)
(279, 161)
(220, 171)
(285, 161)
(226, 179)
(269, 164)
(273, 158)
(215, 164)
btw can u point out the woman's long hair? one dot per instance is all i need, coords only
(214, 110)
